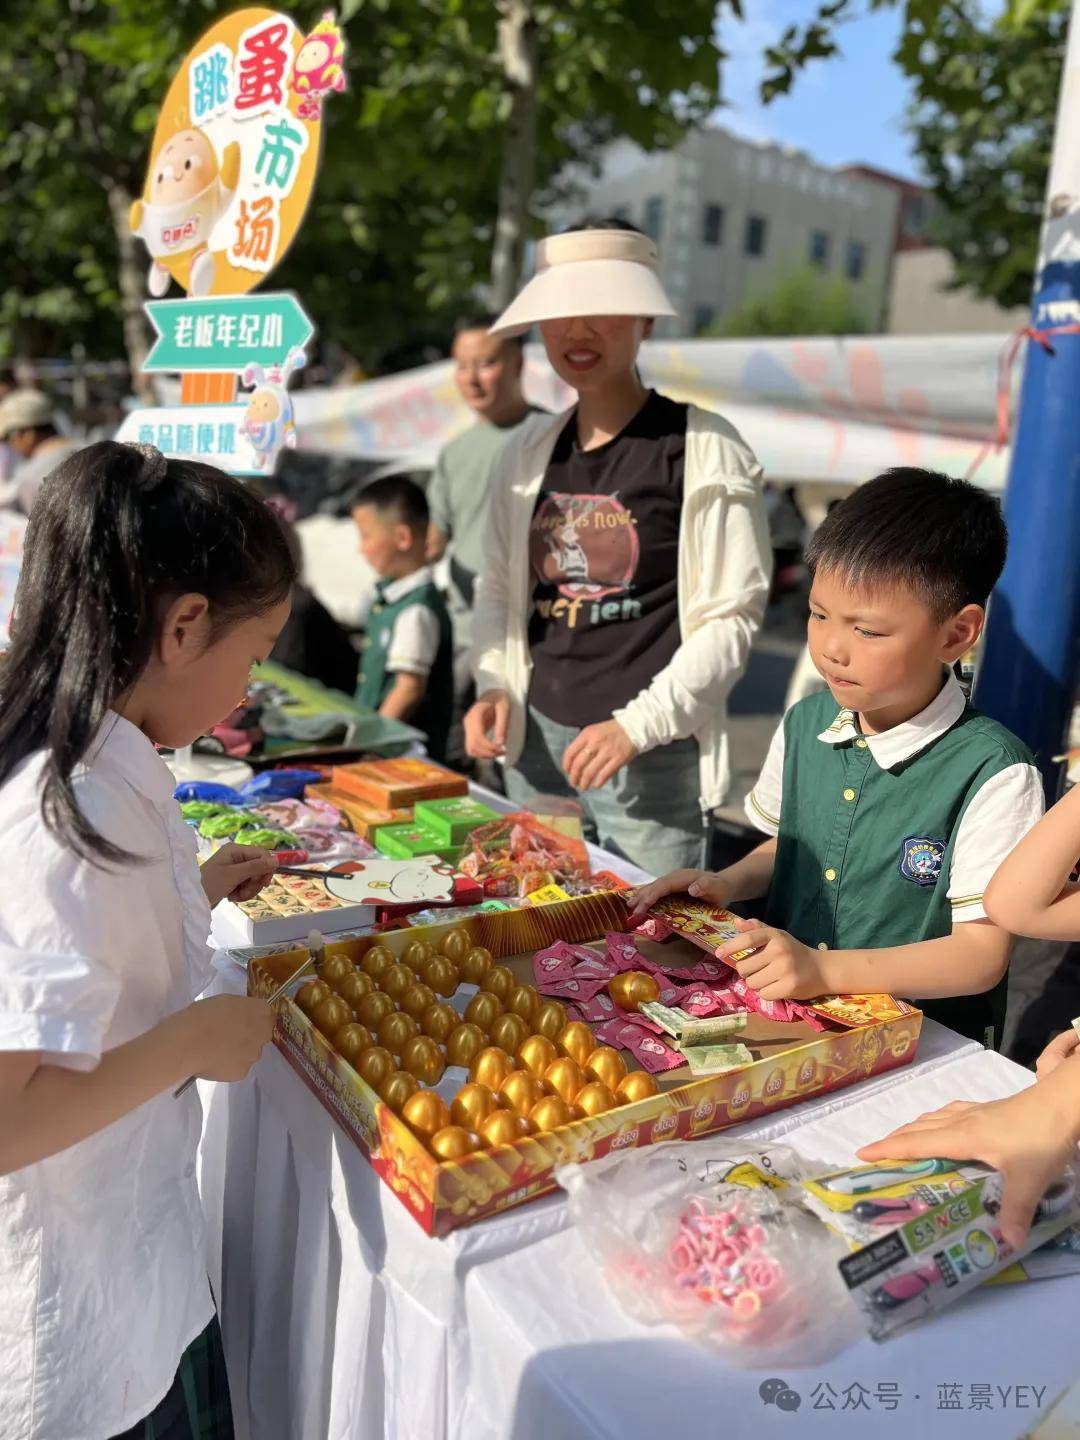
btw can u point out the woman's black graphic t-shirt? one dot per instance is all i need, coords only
(603, 550)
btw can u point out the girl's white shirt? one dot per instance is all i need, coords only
(102, 1257)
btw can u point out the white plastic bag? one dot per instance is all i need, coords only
(711, 1237)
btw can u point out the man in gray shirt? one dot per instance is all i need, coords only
(488, 375)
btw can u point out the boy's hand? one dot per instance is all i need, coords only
(1059, 1049)
(596, 754)
(1023, 1138)
(486, 724)
(702, 884)
(237, 872)
(781, 967)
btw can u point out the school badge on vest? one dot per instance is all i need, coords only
(920, 859)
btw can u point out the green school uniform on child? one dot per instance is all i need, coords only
(417, 648)
(888, 840)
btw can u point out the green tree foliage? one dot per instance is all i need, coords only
(985, 88)
(401, 227)
(802, 302)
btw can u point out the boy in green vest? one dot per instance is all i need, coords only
(406, 670)
(889, 801)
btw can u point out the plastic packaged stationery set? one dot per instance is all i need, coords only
(712, 1237)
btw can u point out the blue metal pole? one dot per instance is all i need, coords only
(1028, 675)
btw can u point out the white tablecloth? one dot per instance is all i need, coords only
(342, 1319)
(552, 1357)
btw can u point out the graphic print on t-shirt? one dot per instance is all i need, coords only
(584, 545)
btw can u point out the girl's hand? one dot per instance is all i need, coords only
(1059, 1049)
(597, 753)
(225, 1035)
(486, 724)
(1028, 1139)
(237, 872)
(702, 884)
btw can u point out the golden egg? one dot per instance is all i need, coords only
(354, 987)
(396, 1089)
(312, 994)
(453, 1142)
(395, 1029)
(438, 1021)
(351, 1041)
(472, 1105)
(577, 1041)
(424, 1059)
(395, 981)
(521, 1090)
(524, 1001)
(334, 969)
(376, 961)
(370, 1009)
(595, 1098)
(536, 1054)
(638, 1085)
(491, 1068)
(483, 1010)
(464, 1044)
(565, 1077)
(632, 988)
(416, 954)
(374, 1065)
(499, 981)
(455, 945)
(475, 964)
(503, 1127)
(509, 1032)
(417, 999)
(550, 1112)
(606, 1065)
(441, 974)
(331, 1014)
(550, 1020)
(426, 1113)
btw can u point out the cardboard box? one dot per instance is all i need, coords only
(398, 784)
(793, 1063)
(365, 819)
(453, 820)
(404, 841)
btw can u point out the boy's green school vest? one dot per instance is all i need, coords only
(432, 716)
(864, 854)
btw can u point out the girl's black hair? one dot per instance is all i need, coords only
(115, 534)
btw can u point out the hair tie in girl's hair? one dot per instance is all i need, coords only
(154, 467)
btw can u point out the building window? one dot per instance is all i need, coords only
(819, 249)
(914, 217)
(712, 226)
(654, 217)
(704, 315)
(755, 235)
(856, 259)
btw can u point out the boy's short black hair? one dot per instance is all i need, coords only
(942, 539)
(604, 222)
(397, 499)
(483, 320)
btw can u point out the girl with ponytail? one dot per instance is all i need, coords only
(149, 589)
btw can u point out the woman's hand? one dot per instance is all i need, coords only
(237, 872)
(1028, 1138)
(486, 724)
(598, 753)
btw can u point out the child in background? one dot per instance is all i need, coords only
(887, 819)
(1029, 1137)
(149, 589)
(407, 667)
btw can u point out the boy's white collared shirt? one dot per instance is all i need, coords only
(102, 1258)
(994, 823)
(414, 643)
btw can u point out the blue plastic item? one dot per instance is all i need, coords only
(278, 785)
(206, 790)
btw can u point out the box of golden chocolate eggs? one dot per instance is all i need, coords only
(465, 1088)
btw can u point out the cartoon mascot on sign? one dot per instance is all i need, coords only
(268, 422)
(186, 194)
(318, 70)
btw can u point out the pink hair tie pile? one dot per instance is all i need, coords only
(722, 1257)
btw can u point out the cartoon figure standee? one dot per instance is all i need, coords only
(318, 69)
(186, 193)
(268, 422)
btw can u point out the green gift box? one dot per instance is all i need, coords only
(453, 820)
